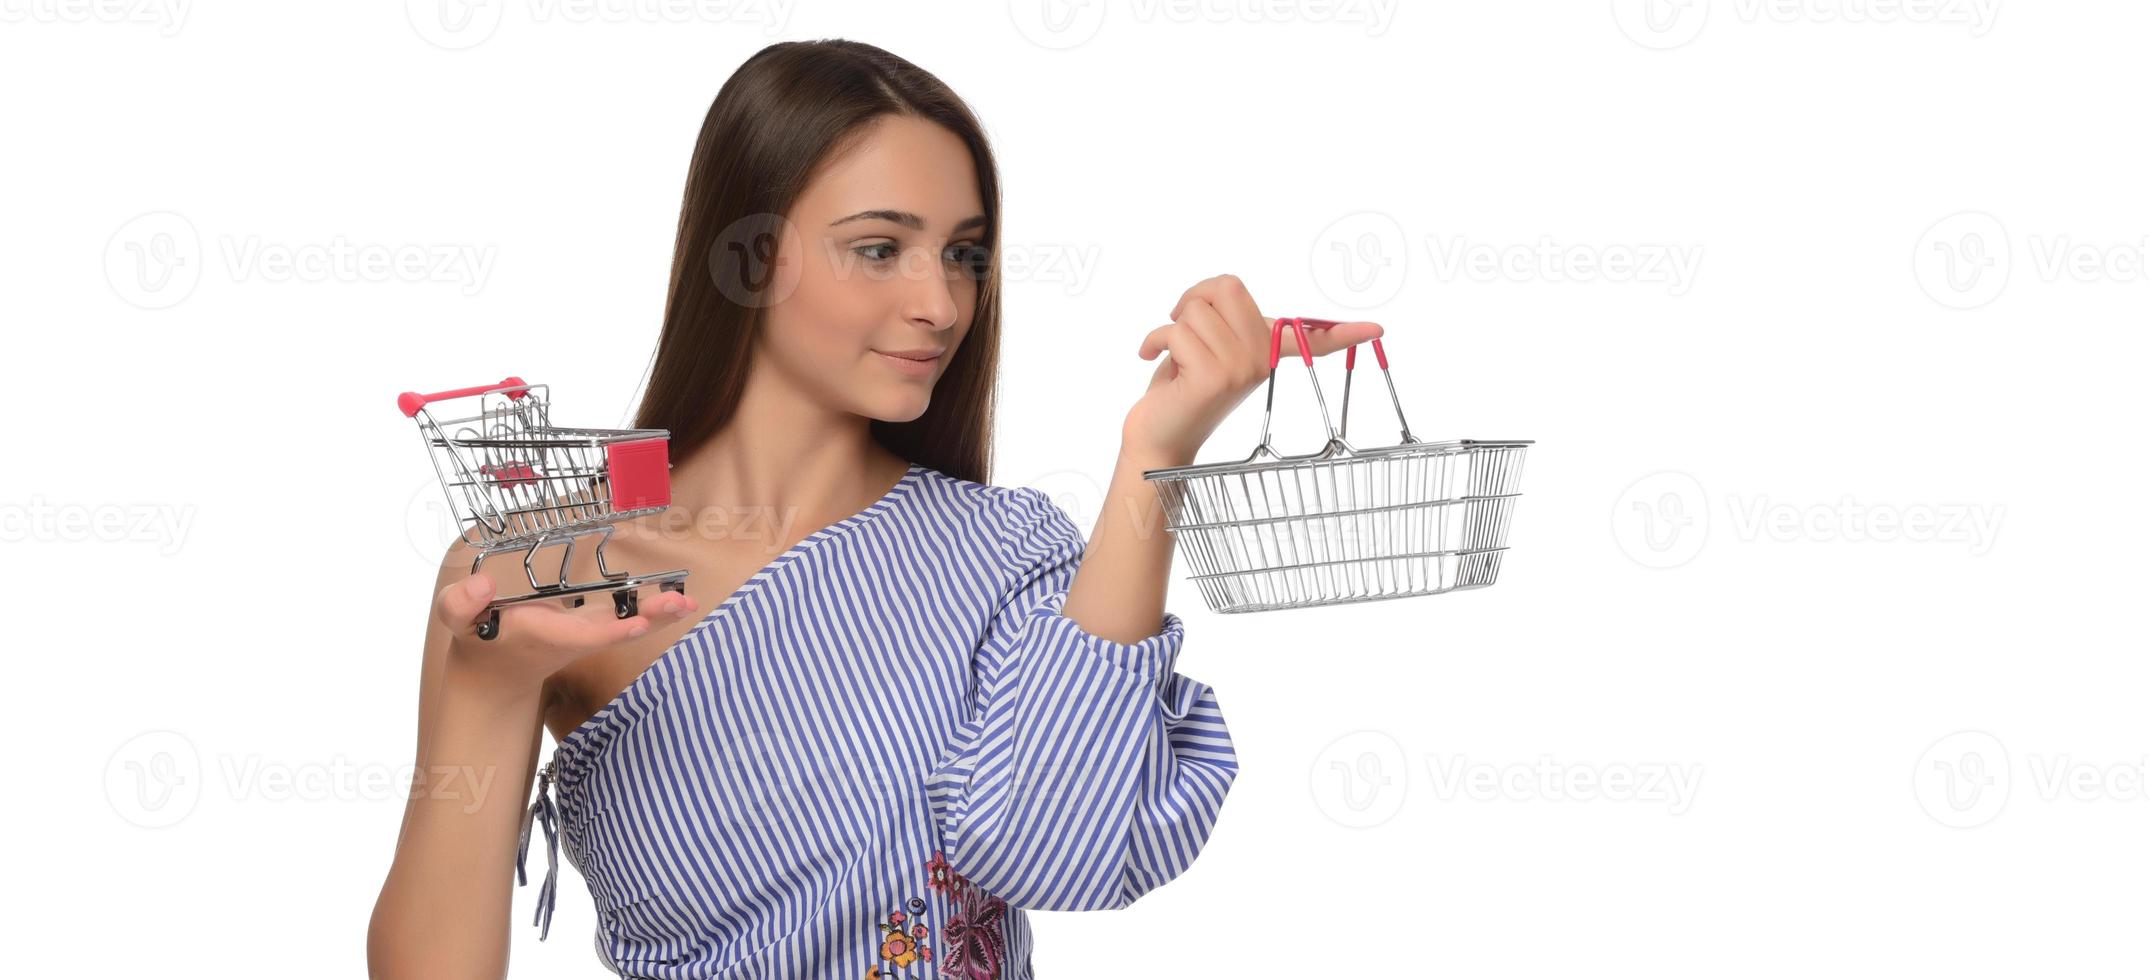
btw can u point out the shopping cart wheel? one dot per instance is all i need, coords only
(491, 626)
(675, 585)
(625, 603)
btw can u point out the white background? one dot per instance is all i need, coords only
(1840, 522)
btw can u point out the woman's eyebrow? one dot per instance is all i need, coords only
(907, 219)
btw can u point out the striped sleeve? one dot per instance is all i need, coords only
(1088, 772)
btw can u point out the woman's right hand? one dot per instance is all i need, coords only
(539, 637)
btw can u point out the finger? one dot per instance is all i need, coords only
(1177, 338)
(1214, 289)
(461, 603)
(1230, 298)
(1157, 341)
(1328, 340)
(669, 604)
(1167, 369)
(1215, 332)
(578, 631)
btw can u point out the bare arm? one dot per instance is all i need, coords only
(1119, 591)
(444, 910)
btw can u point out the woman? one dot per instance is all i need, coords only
(899, 730)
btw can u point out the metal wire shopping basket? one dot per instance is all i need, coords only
(519, 483)
(1343, 524)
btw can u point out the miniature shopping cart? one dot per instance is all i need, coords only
(1343, 524)
(519, 483)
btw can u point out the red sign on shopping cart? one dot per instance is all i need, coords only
(513, 473)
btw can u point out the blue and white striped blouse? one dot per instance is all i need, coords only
(887, 744)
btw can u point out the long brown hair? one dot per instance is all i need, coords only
(783, 112)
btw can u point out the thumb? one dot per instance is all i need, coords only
(460, 603)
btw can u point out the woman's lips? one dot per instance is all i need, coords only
(914, 368)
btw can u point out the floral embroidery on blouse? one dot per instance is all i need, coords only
(976, 946)
(903, 942)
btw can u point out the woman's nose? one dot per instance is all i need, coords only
(932, 301)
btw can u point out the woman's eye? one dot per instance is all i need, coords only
(975, 261)
(875, 251)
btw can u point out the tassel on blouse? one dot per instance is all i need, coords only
(541, 810)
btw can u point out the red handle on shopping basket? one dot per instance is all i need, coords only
(410, 401)
(1299, 325)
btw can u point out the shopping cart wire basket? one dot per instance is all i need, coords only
(516, 482)
(1342, 524)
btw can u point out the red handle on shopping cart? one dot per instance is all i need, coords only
(410, 401)
(1299, 325)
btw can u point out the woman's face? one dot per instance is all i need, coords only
(875, 276)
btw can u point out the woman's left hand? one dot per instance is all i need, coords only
(1219, 344)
